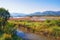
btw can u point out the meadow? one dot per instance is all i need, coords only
(47, 28)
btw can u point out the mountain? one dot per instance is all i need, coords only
(46, 13)
(17, 14)
(49, 13)
(58, 13)
(36, 13)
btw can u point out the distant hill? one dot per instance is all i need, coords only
(17, 14)
(46, 13)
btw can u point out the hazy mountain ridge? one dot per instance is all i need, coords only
(17, 14)
(46, 13)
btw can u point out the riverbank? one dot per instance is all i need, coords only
(50, 29)
(30, 36)
(36, 36)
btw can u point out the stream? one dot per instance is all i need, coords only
(28, 36)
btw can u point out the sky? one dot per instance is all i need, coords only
(30, 6)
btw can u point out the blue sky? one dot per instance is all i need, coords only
(30, 6)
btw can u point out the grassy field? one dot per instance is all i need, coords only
(47, 28)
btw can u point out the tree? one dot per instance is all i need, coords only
(4, 16)
(7, 29)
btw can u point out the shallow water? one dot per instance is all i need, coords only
(28, 36)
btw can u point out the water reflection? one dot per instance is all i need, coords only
(20, 33)
(29, 36)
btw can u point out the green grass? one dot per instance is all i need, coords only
(52, 27)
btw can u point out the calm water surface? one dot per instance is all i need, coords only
(28, 36)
